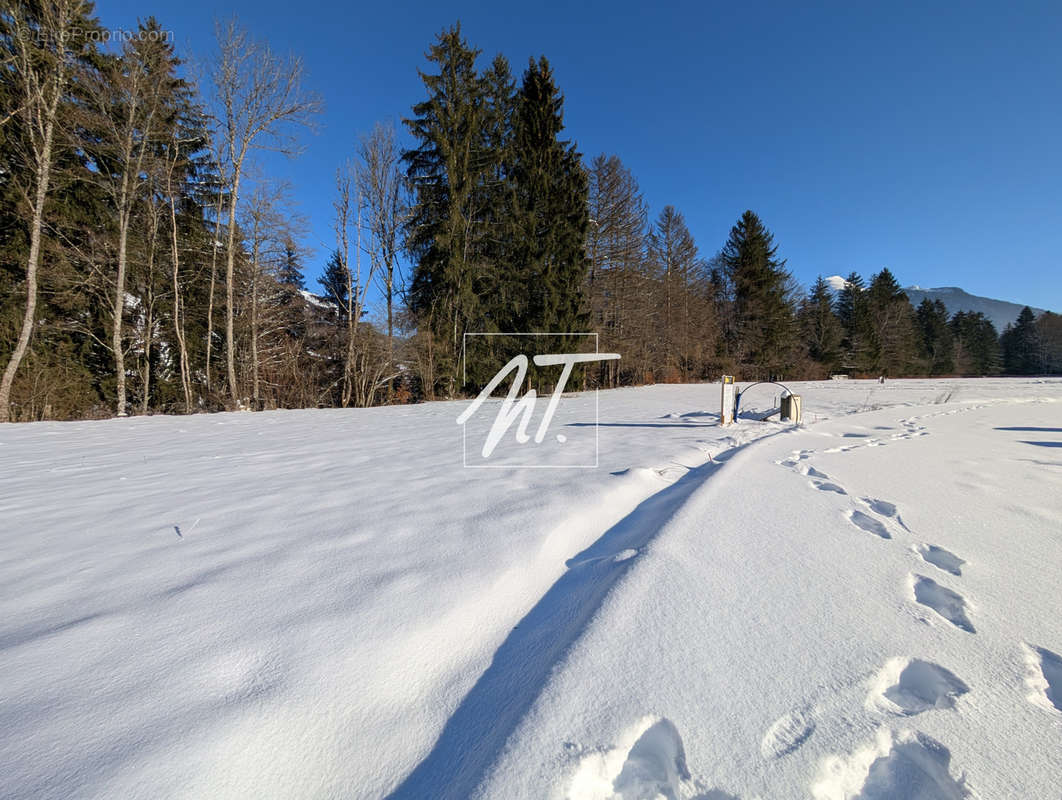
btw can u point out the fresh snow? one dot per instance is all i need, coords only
(325, 604)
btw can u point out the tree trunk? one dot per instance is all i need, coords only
(178, 314)
(254, 324)
(230, 283)
(213, 283)
(144, 403)
(119, 313)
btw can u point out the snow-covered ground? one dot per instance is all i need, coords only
(326, 604)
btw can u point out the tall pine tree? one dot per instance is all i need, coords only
(936, 342)
(447, 172)
(821, 329)
(1021, 345)
(550, 216)
(892, 332)
(853, 313)
(763, 308)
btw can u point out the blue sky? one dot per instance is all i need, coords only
(923, 137)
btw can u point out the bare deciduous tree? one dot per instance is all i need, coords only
(258, 96)
(380, 183)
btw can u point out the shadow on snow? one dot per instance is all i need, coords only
(480, 726)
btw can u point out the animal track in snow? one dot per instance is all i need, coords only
(947, 603)
(910, 686)
(867, 523)
(1043, 677)
(940, 558)
(908, 764)
(787, 734)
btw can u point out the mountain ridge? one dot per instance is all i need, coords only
(955, 299)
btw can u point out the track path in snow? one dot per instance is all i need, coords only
(850, 617)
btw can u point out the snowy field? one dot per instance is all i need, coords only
(327, 604)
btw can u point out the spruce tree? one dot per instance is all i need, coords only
(1021, 345)
(820, 326)
(852, 311)
(891, 318)
(447, 172)
(976, 343)
(334, 281)
(936, 341)
(763, 309)
(289, 273)
(550, 216)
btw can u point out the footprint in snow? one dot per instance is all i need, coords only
(795, 458)
(949, 604)
(1043, 677)
(867, 523)
(648, 762)
(940, 558)
(826, 486)
(908, 764)
(885, 509)
(811, 472)
(909, 686)
(787, 734)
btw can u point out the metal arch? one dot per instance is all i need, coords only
(737, 395)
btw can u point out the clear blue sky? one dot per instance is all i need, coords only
(919, 136)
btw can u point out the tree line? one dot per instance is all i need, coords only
(149, 264)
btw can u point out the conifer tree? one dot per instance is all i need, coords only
(1021, 345)
(334, 280)
(289, 273)
(763, 308)
(976, 343)
(550, 215)
(891, 318)
(936, 343)
(1049, 334)
(821, 328)
(447, 171)
(852, 311)
(498, 199)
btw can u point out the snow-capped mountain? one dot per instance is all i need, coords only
(836, 282)
(1001, 312)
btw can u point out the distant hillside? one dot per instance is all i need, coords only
(1001, 312)
(955, 299)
